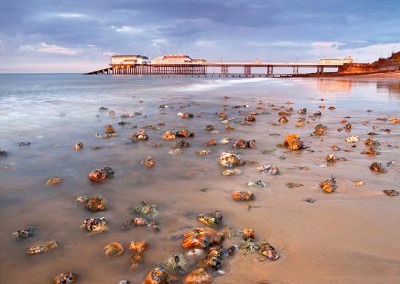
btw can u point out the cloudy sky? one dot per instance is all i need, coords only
(81, 35)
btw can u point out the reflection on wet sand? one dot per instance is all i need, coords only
(334, 85)
(391, 87)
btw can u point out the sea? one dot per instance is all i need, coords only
(43, 116)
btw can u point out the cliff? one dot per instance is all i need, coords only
(391, 63)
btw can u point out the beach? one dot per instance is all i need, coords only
(347, 236)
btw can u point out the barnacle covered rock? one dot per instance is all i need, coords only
(198, 276)
(82, 199)
(202, 237)
(213, 259)
(250, 118)
(302, 111)
(242, 144)
(329, 185)
(169, 135)
(54, 180)
(331, 158)
(113, 249)
(233, 172)
(78, 146)
(211, 142)
(347, 127)
(23, 234)
(370, 151)
(248, 233)
(184, 133)
(371, 142)
(136, 260)
(377, 167)
(146, 209)
(148, 162)
(42, 247)
(95, 224)
(140, 136)
(203, 152)
(110, 131)
(320, 130)
(176, 263)
(394, 120)
(391, 192)
(185, 115)
(139, 246)
(211, 219)
(157, 276)
(257, 184)
(138, 221)
(283, 119)
(98, 175)
(269, 251)
(293, 142)
(181, 144)
(66, 277)
(96, 204)
(229, 160)
(243, 195)
(352, 139)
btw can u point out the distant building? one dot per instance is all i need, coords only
(128, 59)
(175, 59)
(348, 59)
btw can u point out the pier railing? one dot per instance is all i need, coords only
(218, 68)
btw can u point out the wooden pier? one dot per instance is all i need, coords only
(246, 69)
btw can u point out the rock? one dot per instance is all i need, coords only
(66, 277)
(23, 234)
(202, 237)
(113, 249)
(269, 251)
(211, 219)
(293, 142)
(157, 276)
(229, 159)
(54, 180)
(78, 146)
(169, 135)
(377, 167)
(352, 139)
(95, 224)
(184, 133)
(42, 247)
(139, 246)
(248, 234)
(243, 195)
(198, 276)
(329, 185)
(96, 204)
(391, 192)
(320, 130)
(140, 136)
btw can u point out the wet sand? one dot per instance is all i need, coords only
(349, 236)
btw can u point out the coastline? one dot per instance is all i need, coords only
(389, 75)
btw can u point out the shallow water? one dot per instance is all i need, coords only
(329, 240)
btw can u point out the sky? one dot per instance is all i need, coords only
(57, 36)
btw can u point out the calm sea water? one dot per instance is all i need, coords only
(54, 112)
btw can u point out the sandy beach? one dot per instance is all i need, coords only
(347, 236)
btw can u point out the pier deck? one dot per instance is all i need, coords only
(201, 68)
